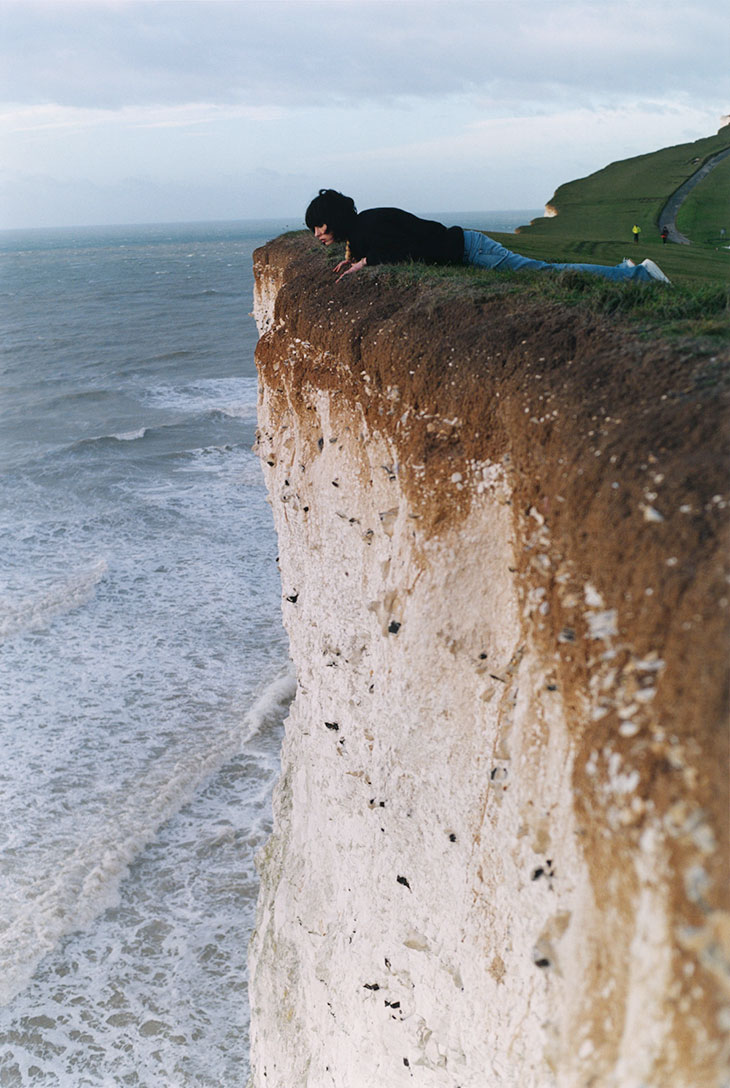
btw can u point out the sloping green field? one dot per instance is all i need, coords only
(595, 214)
(706, 211)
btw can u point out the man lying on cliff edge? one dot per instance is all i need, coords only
(390, 236)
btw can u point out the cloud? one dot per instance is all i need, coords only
(208, 109)
(335, 52)
(16, 119)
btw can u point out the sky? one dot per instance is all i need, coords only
(144, 111)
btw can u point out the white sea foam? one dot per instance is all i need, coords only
(38, 610)
(233, 397)
(272, 701)
(153, 993)
(130, 436)
(88, 880)
(123, 436)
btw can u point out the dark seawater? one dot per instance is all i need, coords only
(145, 670)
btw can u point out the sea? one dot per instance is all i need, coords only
(145, 673)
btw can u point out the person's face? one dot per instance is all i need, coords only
(324, 235)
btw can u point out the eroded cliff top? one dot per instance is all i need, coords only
(468, 361)
(621, 444)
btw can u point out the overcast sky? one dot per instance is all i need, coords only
(166, 110)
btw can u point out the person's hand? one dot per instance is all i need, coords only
(341, 265)
(353, 267)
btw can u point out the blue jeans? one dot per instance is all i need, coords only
(484, 252)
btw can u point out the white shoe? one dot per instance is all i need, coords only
(627, 262)
(655, 271)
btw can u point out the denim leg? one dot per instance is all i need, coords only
(484, 252)
(620, 273)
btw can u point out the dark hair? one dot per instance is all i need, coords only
(334, 209)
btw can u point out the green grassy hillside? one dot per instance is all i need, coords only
(596, 214)
(707, 209)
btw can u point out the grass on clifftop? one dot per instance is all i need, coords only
(699, 312)
(706, 211)
(593, 225)
(596, 214)
(685, 265)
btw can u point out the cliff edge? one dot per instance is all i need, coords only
(500, 846)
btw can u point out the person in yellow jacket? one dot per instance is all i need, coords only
(636, 231)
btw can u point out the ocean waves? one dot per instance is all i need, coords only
(139, 618)
(163, 419)
(86, 881)
(234, 398)
(37, 610)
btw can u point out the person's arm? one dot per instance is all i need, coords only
(354, 267)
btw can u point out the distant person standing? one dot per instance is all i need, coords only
(636, 231)
(665, 235)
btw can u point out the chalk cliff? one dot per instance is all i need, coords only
(500, 846)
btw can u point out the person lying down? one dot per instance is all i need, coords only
(391, 236)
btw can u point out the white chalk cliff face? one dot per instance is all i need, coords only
(461, 891)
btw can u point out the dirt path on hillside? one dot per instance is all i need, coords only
(668, 216)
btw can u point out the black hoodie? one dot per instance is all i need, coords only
(390, 236)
